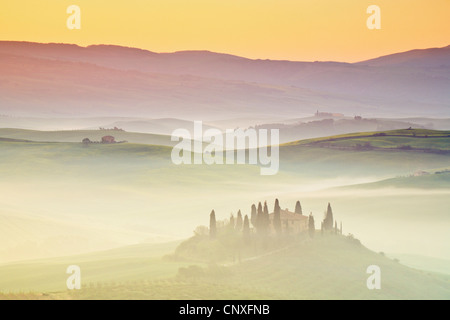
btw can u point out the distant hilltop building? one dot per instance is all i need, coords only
(113, 129)
(291, 223)
(108, 139)
(328, 115)
(421, 173)
(278, 222)
(105, 140)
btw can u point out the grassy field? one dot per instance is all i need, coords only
(329, 267)
(335, 268)
(79, 135)
(388, 140)
(132, 263)
(64, 198)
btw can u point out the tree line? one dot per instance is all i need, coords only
(262, 224)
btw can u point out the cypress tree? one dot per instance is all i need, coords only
(253, 216)
(259, 219)
(266, 220)
(239, 221)
(328, 221)
(212, 225)
(277, 217)
(246, 228)
(298, 208)
(232, 222)
(260, 209)
(311, 226)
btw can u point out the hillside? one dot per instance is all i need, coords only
(335, 268)
(332, 267)
(83, 89)
(131, 263)
(160, 126)
(79, 135)
(420, 140)
(329, 126)
(433, 57)
(423, 180)
(118, 81)
(385, 154)
(121, 189)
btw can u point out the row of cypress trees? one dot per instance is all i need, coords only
(259, 218)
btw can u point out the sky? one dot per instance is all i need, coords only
(304, 30)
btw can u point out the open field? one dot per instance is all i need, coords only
(421, 139)
(328, 267)
(132, 263)
(79, 135)
(82, 199)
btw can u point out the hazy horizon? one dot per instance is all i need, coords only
(279, 150)
(296, 30)
(205, 50)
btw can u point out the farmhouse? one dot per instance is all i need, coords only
(291, 223)
(108, 139)
(280, 222)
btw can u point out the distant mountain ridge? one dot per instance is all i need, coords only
(40, 79)
(67, 51)
(433, 57)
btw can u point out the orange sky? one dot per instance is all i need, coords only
(276, 29)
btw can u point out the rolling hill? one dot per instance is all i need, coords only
(422, 180)
(161, 126)
(317, 127)
(62, 79)
(404, 139)
(79, 135)
(330, 267)
(425, 58)
(112, 195)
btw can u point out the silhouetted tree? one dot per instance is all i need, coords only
(298, 208)
(239, 221)
(328, 221)
(253, 216)
(260, 219)
(212, 225)
(266, 221)
(335, 227)
(311, 226)
(232, 222)
(277, 217)
(340, 231)
(246, 228)
(260, 209)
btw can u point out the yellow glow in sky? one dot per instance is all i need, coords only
(275, 29)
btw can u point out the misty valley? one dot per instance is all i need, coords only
(303, 180)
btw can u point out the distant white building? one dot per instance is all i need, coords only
(420, 173)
